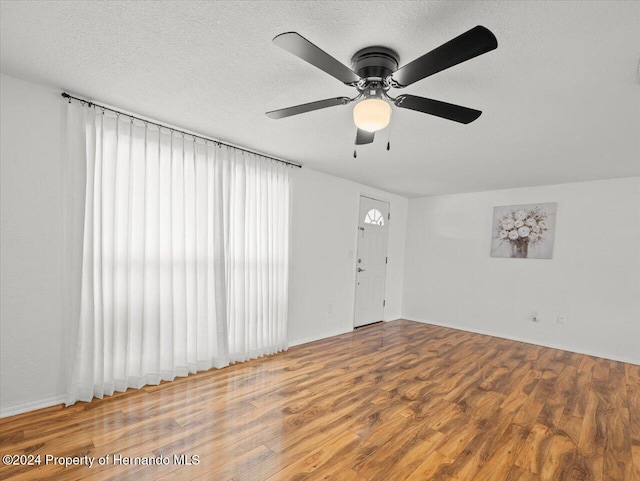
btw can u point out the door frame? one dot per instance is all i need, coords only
(355, 258)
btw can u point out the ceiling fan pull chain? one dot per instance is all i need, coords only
(355, 154)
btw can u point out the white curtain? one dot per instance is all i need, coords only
(185, 255)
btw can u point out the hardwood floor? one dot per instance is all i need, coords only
(394, 401)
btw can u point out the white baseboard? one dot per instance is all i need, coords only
(320, 336)
(31, 406)
(612, 357)
(337, 332)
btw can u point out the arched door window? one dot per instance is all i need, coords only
(374, 216)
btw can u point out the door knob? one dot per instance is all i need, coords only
(360, 269)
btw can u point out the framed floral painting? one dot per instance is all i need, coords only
(524, 231)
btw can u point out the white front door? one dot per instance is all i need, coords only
(371, 267)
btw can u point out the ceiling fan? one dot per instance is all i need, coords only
(375, 71)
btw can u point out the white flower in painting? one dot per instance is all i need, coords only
(523, 231)
(522, 227)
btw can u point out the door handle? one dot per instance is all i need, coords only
(360, 269)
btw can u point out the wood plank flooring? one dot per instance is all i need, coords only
(394, 401)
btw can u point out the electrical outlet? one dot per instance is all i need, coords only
(562, 319)
(535, 317)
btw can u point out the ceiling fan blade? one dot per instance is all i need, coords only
(470, 44)
(301, 47)
(364, 137)
(311, 106)
(457, 113)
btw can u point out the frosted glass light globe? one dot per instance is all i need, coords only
(372, 114)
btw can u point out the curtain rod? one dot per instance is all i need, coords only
(162, 126)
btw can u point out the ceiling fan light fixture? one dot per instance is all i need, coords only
(372, 114)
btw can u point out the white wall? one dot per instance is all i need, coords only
(32, 332)
(323, 254)
(593, 278)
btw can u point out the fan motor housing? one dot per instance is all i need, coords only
(378, 62)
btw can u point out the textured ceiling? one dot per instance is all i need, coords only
(560, 95)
